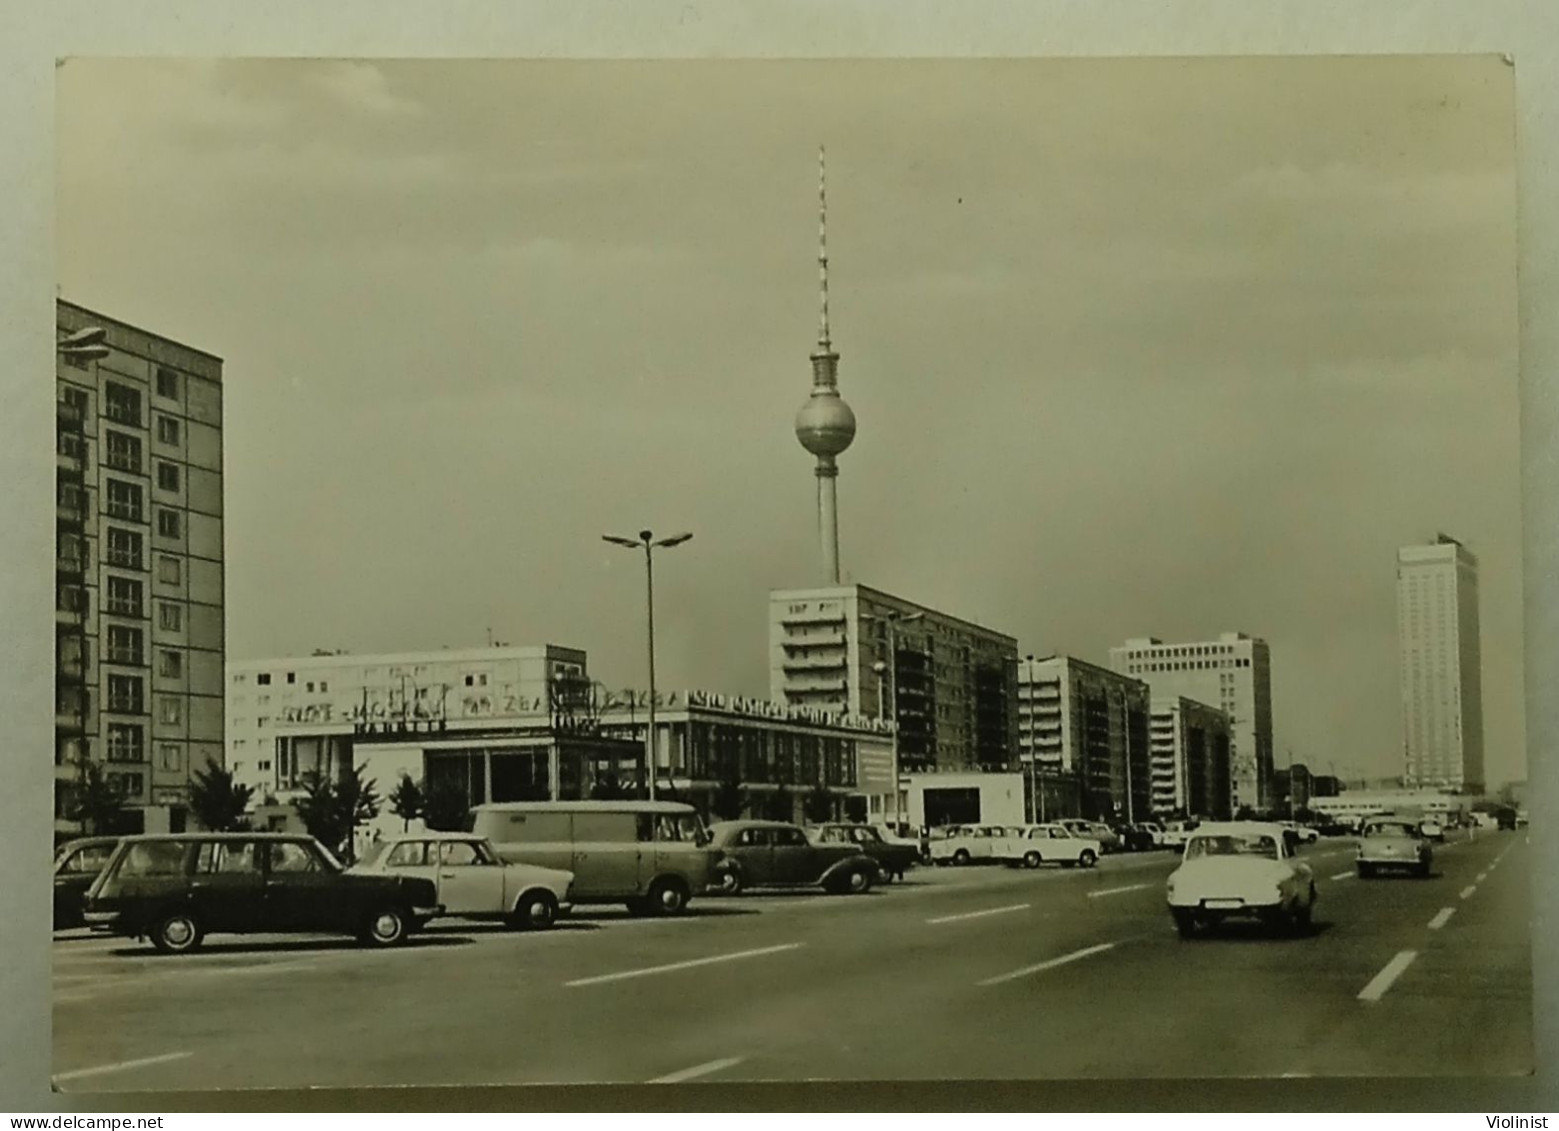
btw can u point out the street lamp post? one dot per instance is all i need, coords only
(1126, 736)
(647, 542)
(891, 621)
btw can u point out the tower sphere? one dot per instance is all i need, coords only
(825, 425)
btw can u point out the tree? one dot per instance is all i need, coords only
(818, 805)
(407, 801)
(98, 804)
(332, 810)
(360, 803)
(445, 806)
(217, 802)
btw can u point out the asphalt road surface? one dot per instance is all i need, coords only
(973, 973)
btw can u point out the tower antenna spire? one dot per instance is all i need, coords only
(822, 248)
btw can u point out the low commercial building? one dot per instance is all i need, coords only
(969, 798)
(1190, 757)
(1350, 805)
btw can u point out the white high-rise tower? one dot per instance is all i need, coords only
(825, 425)
(1442, 686)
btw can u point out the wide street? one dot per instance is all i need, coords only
(964, 973)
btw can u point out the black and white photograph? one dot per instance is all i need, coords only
(661, 571)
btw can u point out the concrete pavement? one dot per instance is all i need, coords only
(966, 973)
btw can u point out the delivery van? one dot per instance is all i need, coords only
(651, 855)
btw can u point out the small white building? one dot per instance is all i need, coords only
(967, 798)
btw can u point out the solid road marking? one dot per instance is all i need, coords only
(1441, 918)
(697, 1070)
(1343, 875)
(1035, 969)
(1381, 982)
(622, 975)
(1115, 891)
(1468, 890)
(120, 1066)
(979, 914)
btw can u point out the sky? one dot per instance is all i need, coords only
(1136, 347)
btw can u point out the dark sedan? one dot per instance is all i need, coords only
(76, 865)
(775, 854)
(176, 889)
(893, 859)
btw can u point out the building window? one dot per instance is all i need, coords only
(124, 597)
(292, 677)
(126, 695)
(171, 617)
(167, 476)
(263, 721)
(171, 758)
(122, 452)
(171, 663)
(168, 524)
(168, 430)
(124, 501)
(122, 404)
(124, 548)
(310, 686)
(124, 645)
(265, 678)
(169, 570)
(70, 599)
(170, 710)
(167, 383)
(323, 686)
(128, 785)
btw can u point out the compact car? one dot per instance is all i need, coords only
(1033, 845)
(76, 865)
(894, 857)
(965, 844)
(472, 882)
(1240, 869)
(1393, 844)
(776, 854)
(176, 889)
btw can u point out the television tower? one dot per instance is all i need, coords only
(825, 425)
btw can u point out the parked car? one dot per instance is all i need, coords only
(965, 844)
(76, 865)
(176, 889)
(1234, 869)
(471, 880)
(1153, 831)
(1176, 833)
(651, 855)
(1393, 844)
(894, 857)
(776, 854)
(910, 837)
(1033, 845)
(1432, 829)
(1108, 839)
(1304, 834)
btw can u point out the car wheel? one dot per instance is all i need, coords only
(178, 933)
(961, 857)
(385, 927)
(1422, 871)
(1185, 923)
(536, 911)
(1087, 859)
(857, 882)
(1031, 860)
(1366, 872)
(730, 883)
(667, 897)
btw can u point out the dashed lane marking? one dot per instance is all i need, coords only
(698, 1070)
(1117, 891)
(1343, 875)
(1037, 967)
(979, 914)
(623, 975)
(1380, 983)
(1442, 917)
(1482, 876)
(1468, 890)
(118, 1066)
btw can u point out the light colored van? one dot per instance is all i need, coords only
(651, 855)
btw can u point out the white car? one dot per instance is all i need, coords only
(1033, 845)
(965, 844)
(1303, 833)
(1234, 869)
(1176, 833)
(472, 881)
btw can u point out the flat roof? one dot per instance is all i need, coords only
(360, 659)
(856, 589)
(98, 316)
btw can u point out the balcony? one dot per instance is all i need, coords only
(70, 511)
(68, 666)
(70, 565)
(823, 640)
(68, 720)
(813, 618)
(815, 664)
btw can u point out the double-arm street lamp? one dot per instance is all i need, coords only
(83, 345)
(889, 667)
(647, 542)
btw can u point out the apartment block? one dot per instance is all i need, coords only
(138, 568)
(1190, 760)
(1079, 720)
(950, 684)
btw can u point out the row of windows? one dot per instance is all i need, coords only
(1187, 665)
